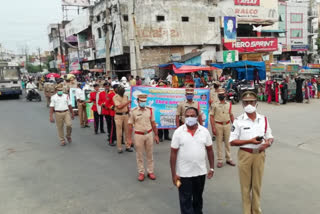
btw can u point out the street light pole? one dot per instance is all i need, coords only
(108, 63)
(133, 63)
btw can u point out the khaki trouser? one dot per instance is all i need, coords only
(48, 100)
(251, 168)
(82, 111)
(144, 143)
(61, 119)
(223, 135)
(121, 122)
(318, 94)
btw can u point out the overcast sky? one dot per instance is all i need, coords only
(25, 22)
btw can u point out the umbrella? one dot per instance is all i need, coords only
(55, 75)
(75, 72)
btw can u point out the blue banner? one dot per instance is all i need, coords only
(164, 102)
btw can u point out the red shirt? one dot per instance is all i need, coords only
(103, 99)
(110, 104)
(93, 100)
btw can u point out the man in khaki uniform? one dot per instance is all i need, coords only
(183, 105)
(49, 90)
(143, 121)
(220, 118)
(121, 103)
(214, 93)
(251, 132)
(82, 107)
(61, 105)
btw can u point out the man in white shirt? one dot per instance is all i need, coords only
(61, 105)
(82, 107)
(169, 78)
(30, 86)
(190, 144)
(252, 133)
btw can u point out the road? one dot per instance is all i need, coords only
(37, 176)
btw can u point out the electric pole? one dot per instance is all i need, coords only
(39, 51)
(107, 31)
(133, 64)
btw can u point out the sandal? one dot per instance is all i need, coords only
(62, 144)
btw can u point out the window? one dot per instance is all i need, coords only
(296, 33)
(212, 19)
(125, 18)
(185, 19)
(99, 33)
(98, 18)
(296, 17)
(160, 18)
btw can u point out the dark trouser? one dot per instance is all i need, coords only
(98, 119)
(190, 194)
(165, 131)
(112, 136)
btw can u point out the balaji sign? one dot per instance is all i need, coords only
(247, 2)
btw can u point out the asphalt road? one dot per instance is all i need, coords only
(37, 176)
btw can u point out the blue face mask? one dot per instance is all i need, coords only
(143, 104)
(189, 97)
(60, 93)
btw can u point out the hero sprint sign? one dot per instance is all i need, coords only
(253, 45)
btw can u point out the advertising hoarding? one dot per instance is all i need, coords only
(253, 45)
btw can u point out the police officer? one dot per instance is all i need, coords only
(220, 118)
(61, 105)
(143, 121)
(252, 133)
(121, 103)
(214, 93)
(49, 91)
(183, 105)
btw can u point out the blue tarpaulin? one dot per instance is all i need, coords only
(245, 69)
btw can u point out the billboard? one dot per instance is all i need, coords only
(82, 3)
(230, 56)
(164, 102)
(230, 28)
(247, 2)
(253, 45)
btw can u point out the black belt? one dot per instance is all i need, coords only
(125, 113)
(252, 151)
(61, 111)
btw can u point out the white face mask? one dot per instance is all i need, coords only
(191, 121)
(250, 109)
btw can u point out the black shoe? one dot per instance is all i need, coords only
(95, 132)
(112, 144)
(161, 140)
(102, 132)
(167, 138)
(129, 150)
(87, 126)
(120, 151)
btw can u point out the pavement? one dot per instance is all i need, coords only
(37, 176)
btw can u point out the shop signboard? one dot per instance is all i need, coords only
(253, 45)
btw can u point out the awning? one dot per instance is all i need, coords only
(181, 68)
(273, 31)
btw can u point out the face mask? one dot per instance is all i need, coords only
(250, 109)
(143, 104)
(221, 97)
(189, 97)
(60, 93)
(191, 121)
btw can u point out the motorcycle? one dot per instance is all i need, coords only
(233, 96)
(33, 94)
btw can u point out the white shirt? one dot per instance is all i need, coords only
(169, 78)
(191, 159)
(80, 94)
(31, 86)
(245, 129)
(60, 103)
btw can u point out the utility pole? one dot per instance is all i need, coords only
(61, 49)
(39, 51)
(133, 64)
(108, 62)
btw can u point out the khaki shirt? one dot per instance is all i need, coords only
(141, 119)
(118, 100)
(221, 112)
(182, 106)
(49, 89)
(214, 96)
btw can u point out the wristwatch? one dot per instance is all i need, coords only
(212, 169)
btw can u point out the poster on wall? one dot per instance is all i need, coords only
(164, 102)
(230, 56)
(230, 28)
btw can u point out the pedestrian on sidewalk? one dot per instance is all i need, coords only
(252, 133)
(98, 117)
(190, 145)
(221, 117)
(143, 120)
(121, 103)
(61, 105)
(82, 107)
